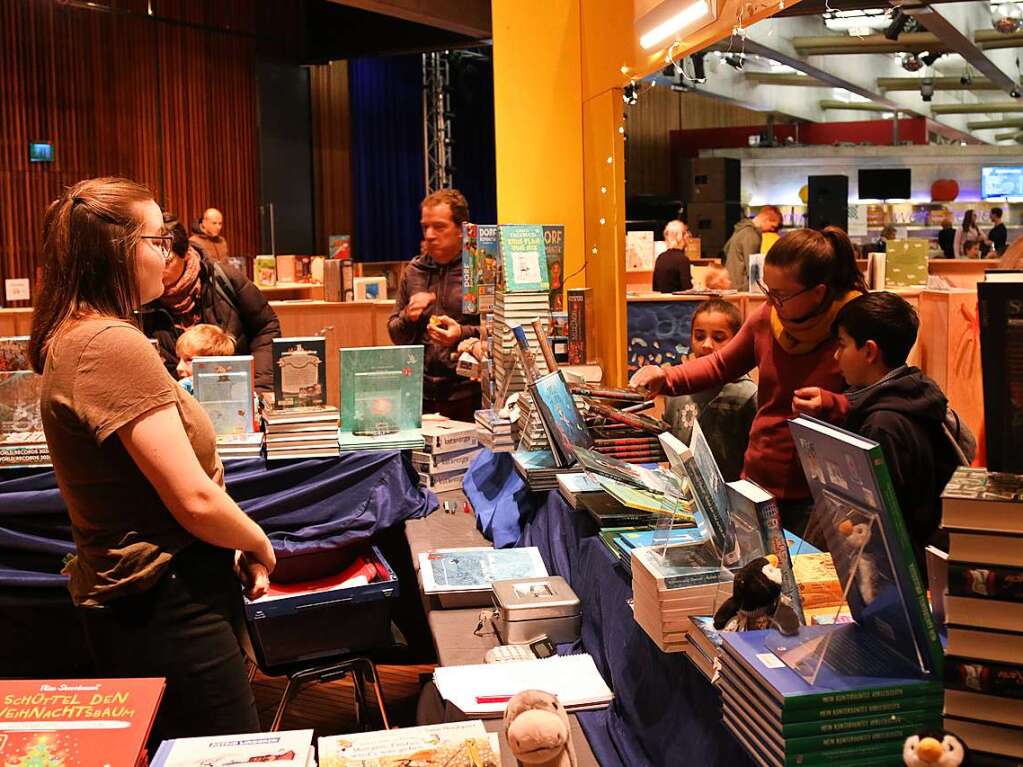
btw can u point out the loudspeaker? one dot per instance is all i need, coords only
(713, 223)
(714, 179)
(828, 202)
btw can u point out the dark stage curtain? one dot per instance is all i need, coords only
(472, 99)
(387, 156)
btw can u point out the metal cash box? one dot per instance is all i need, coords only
(527, 608)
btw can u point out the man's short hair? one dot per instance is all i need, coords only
(884, 318)
(204, 340)
(453, 199)
(721, 306)
(179, 237)
(773, 212)
(996, 212)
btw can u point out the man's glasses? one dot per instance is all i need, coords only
(776, 298)
(162, 242)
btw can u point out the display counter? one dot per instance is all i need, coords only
(284, 291)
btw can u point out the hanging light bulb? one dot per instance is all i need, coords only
(912, 63)
(1006, 17)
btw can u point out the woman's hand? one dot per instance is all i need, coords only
(650, 377)
(253, 575)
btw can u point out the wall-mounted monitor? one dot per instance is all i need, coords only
(884, 184)
(1001, 181)
(40, 151)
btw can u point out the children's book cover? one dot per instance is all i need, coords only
(523, 258)
(381, 390)
(300, 372)
(224, 387)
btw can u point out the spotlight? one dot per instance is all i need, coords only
(911, 62)
(926, 88)
(898, 25)
(966, 79)
(1014, 93)
(930, 58)
(669, 71)
(630, 94)
(735, 61)
(699, 71)
(1006, 18)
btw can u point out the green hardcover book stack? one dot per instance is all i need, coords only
(381, 398)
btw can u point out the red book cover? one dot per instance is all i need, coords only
(63, 722)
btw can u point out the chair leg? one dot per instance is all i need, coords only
(371, 671)
(291, 689)
(359, 694)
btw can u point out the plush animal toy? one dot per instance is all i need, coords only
(756, 601)
(935, 748)
(855, 538)
(538, 731)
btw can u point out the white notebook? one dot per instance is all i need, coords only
(484, 690)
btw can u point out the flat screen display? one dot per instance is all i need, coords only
(884, 184)
(1001, 181)
(40, 151)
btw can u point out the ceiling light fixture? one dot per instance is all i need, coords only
(927, 88)
(674, 24)
(911, 62)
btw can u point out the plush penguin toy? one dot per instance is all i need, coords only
(756, 601)
(935, 748)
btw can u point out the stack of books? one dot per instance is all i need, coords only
(622, 541)
(529, 431)
(455, 744)
(628, 444)
(540, 470)
(780, 719)
(667, 589)
(511, 309)
(704, 646)
(449, 449)
(240, 445)
(981, 511)
(282, 749)
(494, 432)
(301, 432)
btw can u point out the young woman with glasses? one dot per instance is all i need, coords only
(808, 277)
(160, 544)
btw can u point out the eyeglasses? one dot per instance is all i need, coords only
(780, 300)
(162, 242)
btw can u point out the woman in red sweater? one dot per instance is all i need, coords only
(808, 277)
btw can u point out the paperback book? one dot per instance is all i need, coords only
(474, 569)
(455, 744)
(281, 749)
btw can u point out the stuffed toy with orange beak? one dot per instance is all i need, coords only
(935, 748)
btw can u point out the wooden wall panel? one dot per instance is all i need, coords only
(332, 151)
(648, 126)
(168, 100)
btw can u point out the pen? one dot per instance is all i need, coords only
(481, 699)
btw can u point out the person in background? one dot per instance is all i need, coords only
(726, 412)
(967, 233)
(997, 235)
(745, 240)
(672, 271)
(162, 552)
(198, 289)
(200, 340)
(895, 405)
(206, 235)
(881, 245)
(947, 237)
(428, 309)
(716, 278)
(971, 249)
(808, 277)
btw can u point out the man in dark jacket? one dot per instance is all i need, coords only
(207, 235)
(428, 309)
(199, 289)
(895, 405)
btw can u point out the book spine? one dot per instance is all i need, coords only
(857, 703)
(824, 756)
(470, 302)
(774, 540)
(985, 677)
(911, 584)
(984, 581)
(877, 739)
(577, 351)
(833, 727)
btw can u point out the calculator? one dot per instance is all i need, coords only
(541, 647)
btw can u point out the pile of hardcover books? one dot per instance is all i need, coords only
(240, 445)
(780, 719)
(704, 645)
(300, 423)
(305, 432)
(494, 432)
(981, 511)
(449, 449)
(540, 470)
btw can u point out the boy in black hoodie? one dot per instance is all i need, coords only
(893, 404)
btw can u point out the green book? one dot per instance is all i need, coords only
(381, 391)
(523, 258)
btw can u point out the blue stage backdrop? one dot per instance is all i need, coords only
(659, 332)
(387, 148)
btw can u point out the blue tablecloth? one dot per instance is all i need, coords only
(306, 507)
(665, 712)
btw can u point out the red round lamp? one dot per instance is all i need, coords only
(944, 190)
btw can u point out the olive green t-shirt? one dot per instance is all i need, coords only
(100, 375)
